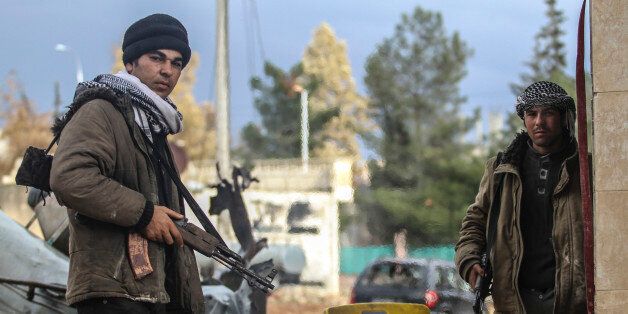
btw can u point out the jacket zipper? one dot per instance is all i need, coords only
(559, 188)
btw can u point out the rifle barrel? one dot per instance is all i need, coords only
(209, 246)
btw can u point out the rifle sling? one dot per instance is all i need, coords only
(494, 215)
(494, 211)
(52, 143)
(196, 209)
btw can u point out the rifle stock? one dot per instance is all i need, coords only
(210, 246)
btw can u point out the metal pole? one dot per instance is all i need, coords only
(583, 158)
(57, 103)
(222, 89)
(305, 131)
(79, 68)
(77, 59)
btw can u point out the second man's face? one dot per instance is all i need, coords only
(544, 126)
(159, 70)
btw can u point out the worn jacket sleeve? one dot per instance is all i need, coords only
(473, 230)
(83, 167)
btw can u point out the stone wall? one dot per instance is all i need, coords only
(609, 57)
(281, 175)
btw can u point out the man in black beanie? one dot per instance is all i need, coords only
(537, 252)
(126, 254)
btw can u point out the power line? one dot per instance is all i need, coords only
(259, 30)
(249, 40)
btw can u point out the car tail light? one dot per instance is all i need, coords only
(352, 298)
(431, 298)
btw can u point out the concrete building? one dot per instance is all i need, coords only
(291, 207)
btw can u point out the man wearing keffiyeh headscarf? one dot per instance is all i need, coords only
(126, 254)
(537, 252)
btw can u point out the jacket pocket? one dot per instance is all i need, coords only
(93, 271)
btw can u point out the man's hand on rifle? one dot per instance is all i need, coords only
(161, 228)
(476, 270)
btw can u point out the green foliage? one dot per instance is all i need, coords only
(427, 176)
(431, 214)
(413, 79)
(278, 103)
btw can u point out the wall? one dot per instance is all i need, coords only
(284, 183)
(609, 57)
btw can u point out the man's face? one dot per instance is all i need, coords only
(159, 70)
(544, 127)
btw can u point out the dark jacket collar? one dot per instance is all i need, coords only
(517, 149)
(81, 97)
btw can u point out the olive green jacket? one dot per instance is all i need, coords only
(102, 172)
(567, 234)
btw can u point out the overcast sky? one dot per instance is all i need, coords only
(501, 33)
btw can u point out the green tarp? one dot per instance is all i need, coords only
(354, 259)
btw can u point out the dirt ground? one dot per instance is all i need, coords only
(308, 300)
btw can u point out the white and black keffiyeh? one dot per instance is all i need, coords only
(152, 113)
(545, 93)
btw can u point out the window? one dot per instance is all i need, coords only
(396, 274)
(446, 278)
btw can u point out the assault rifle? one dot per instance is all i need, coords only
(208, 245)
(209, 242)
(482, 284)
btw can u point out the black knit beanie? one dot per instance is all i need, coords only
(157, 31)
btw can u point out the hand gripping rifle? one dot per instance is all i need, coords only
(483, 283)
(210, 246)
(208, 242)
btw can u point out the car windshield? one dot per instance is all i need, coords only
(395, 274)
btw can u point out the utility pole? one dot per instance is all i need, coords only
(77, 59)
(222, 89)
(305, 127)
(305, 131)
(57, 104)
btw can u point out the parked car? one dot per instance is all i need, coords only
(435, 283)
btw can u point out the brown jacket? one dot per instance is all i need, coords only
(102, 171)
(567, 234)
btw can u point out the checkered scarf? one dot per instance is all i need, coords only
(545, 93)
